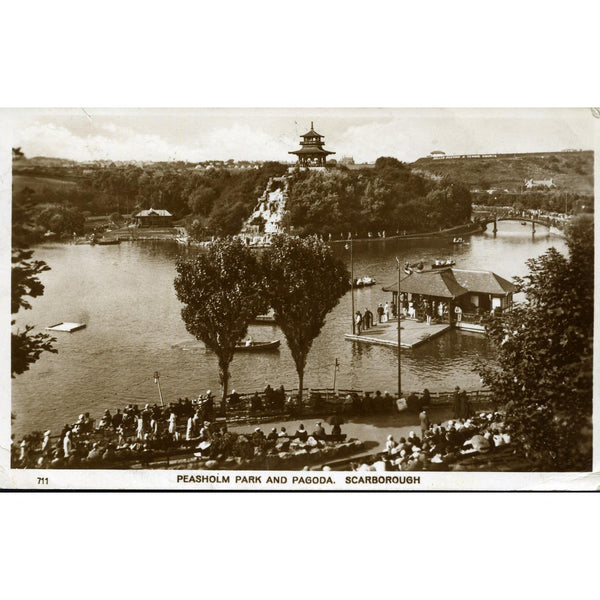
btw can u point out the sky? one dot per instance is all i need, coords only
(269, 134)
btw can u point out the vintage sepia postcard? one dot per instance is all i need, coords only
(299, 299)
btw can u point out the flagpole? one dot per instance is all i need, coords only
(399, 334)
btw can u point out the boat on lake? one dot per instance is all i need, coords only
(442, 264)
(410, 267)
(364, 282)
(258, 346)
(264, 319)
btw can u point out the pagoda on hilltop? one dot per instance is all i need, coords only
(312, 153)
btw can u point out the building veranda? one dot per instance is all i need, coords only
(460, 297)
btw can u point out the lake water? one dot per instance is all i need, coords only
(125, 296)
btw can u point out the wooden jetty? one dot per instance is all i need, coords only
(413, 333)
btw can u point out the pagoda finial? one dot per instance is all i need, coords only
(311, 125)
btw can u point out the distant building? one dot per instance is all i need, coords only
(312, 153)
(436, 153)
(347, 160)
(533, 183)
(154, 218)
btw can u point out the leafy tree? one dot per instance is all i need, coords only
(221, 293)
(545, 355)
(26, 347)
(61, 218)
(303, 281)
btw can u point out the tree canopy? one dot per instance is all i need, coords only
(221, 293)
(303, 282)
(26, 347)
(389, 197)
(545, 350)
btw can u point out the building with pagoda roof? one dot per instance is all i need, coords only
(312, 153)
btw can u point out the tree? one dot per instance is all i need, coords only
(26, 347)
(545, 350)
(221, 293)
(303, 281)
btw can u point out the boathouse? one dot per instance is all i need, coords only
(441, 291)
(154, 218)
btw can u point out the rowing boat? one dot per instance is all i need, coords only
(258, 346)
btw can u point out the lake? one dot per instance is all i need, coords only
(125, 296)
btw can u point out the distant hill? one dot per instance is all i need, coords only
(571, 171)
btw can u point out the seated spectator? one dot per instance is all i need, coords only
(319, 432)
(234, 399)
(301, 433)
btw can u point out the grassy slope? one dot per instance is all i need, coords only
(572, 171)
(38, 183)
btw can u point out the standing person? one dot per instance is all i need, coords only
(367, 318)
(386, 313)
(458, 312)
(465, 405)
(358, 321)
(67, 445)
(189, 428)
(173, 424)
(426, 399)
(456, 402)
(424, 422)
(46, 441)
(428, 313)
(380, 312)
(117, 419)
(394, 310)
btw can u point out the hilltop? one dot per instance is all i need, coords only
(571, 171)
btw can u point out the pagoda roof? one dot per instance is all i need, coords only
(312, 132)
(311, 150)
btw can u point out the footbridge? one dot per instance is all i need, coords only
(553, 225)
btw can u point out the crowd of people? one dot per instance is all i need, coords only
(441, 446)
(417, 308)
(140, 434)
(136, 433)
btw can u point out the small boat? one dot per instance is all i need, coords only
(105, 242)
(410, 267)
(442, 264)
(364, 282)
(523, 222)
(268, 319)
(458, 240)
(258, 346)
